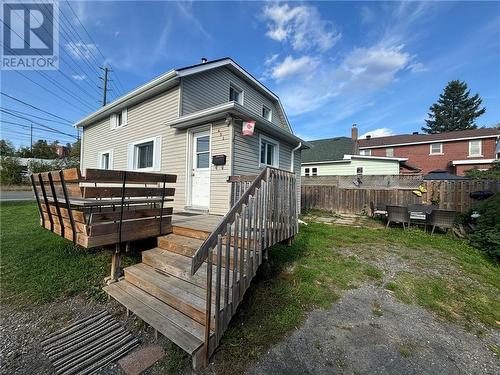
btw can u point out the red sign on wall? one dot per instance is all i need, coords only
(248, 127)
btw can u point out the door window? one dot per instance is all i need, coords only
(203, 152)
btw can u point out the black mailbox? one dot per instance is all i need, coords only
(219, 159)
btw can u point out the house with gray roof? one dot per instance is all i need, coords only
(189, 122)
(339, 157)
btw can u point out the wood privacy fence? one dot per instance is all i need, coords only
(448, 194)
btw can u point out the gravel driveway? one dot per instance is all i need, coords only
(369, 332)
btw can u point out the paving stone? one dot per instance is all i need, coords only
(140, 360)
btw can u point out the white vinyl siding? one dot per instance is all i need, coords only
(211, 88)
(350, 168)
(145, 120)
(475, 148)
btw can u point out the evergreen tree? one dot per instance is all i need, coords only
(454, 110)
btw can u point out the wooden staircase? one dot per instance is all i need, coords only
(189, 287)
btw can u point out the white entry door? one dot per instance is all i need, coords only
(200, 170)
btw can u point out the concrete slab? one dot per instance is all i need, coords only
(140, 360)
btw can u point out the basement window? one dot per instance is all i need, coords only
(315, 171)
(307, 172)
(359, 171)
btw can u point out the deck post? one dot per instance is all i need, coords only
(115, 266)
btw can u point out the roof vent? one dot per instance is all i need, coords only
(368, 136)
(415, 133)
(204, 60)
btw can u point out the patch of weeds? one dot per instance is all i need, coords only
(177, 360)
(391, 285)
(406, 351)
(317, 345)
(495, 349)
(376, 308)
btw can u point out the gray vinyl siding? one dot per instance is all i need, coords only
(247, 154)
(211, 88)
(145, 120)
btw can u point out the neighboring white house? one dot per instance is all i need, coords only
(338, 157)
(352, 165)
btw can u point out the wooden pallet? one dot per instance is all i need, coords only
(104, 207)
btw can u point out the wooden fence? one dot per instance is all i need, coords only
(448, 194)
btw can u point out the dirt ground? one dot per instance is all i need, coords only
(21, 332)
(354, 338)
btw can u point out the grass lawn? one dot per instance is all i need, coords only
(440, 273)
(38, 266)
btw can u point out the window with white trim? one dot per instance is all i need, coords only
(359, 171)
(475, 148)
(145, 155)
(105, 160)
(307, 172)
(119, 119)
(366, 152)
(315, 171)
(235, 94)
(389, 152)
(436, 149)
(267, 113)
(269, 152)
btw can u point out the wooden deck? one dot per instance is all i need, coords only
(189, 287)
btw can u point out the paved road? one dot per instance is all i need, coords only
(6, 196)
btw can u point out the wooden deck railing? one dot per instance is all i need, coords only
(264, 214)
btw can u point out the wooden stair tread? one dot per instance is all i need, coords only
(177, 327)
(183, 295)
(178, 265)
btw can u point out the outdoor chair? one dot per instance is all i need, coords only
(398, 214)
(443, 219)
(379, 209)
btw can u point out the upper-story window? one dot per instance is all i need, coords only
(389, 152)
(367, 152)
(475, 148)
(436, 149)
(267, 113)
(119, 119)
(235, 94)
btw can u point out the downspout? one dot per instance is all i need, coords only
(293, 156)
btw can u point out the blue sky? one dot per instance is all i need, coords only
(378, 64)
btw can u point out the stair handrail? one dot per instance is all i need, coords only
(202, 253)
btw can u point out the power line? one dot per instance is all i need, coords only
(90, 37)
(25, 126)
(38, 123)
(32, 106)
(37, 117)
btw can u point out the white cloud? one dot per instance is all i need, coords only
(367, 14)
(290, 66)
(271, 59)
(301, 26)
(381, 132)
(417, 67)
(79, 77)
(81, 50)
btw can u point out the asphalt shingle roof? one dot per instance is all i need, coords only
(328, 149)
(409, 138)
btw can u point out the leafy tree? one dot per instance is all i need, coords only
(24, 152)
(11, 171)
(74, 149)
(42, 150)
(6, 148)
(454, 110)
(491, 174)
(487, 234)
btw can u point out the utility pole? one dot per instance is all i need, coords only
(31, 139)
(104, 87)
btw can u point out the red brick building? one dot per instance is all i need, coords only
(454, 152)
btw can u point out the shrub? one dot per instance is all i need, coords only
(491, 174)
(11, 171)
(487, 234)
(53, 165)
